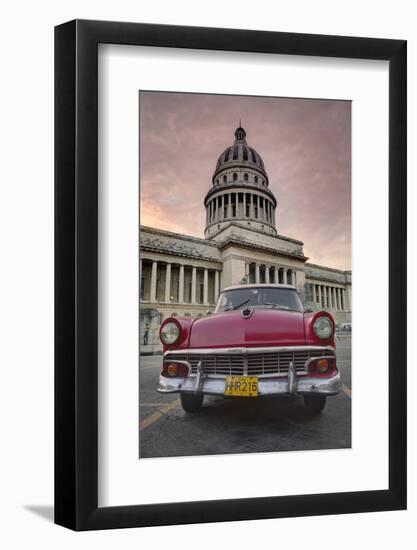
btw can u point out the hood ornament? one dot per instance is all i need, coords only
(246, 312)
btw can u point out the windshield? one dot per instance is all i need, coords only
(269, 297)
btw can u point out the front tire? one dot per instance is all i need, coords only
(191, 403)
(315, 403)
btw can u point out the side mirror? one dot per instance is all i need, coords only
(308, 310)
(208, 312)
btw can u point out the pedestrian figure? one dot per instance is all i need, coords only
(146, 335)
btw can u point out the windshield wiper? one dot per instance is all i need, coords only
(279, 306)
(240, 305)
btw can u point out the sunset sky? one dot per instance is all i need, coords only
(305, 145)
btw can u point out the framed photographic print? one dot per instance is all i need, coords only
(230, 275)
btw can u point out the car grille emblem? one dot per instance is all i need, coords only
(246, 313)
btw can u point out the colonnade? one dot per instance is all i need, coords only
(180, 294)
(328, 296)
(264, 273)
(239, 205)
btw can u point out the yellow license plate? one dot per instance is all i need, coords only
(241, 386)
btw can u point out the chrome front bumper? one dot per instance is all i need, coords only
(267, 387)
(199, 381)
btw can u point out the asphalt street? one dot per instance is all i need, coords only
(240, 425)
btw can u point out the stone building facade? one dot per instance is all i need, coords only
(183, 275)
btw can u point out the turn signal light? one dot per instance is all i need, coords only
(322, 366)
(175, 370)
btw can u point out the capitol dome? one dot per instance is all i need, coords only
(240, 154)
(240, 191)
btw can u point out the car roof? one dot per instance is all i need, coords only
(260, 285)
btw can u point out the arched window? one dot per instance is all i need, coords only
(235, 152)
(256, 179)
(226, 156)
(224, 179)
(246, 177)
(235, 177)
(245, 153)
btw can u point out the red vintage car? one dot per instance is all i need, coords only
(259, 343)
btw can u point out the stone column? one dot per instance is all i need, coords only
(267, 274)
(181, 285)
(276, 275)
(284, 276)
(349, 298)
(338, 298)
(193, 285)
(319, 293)
(343, 300)
(244, 205)
(153, 281)
(205, 287)
(168, 283)
(252, 207)
(326, 296)
(216, 285)
(257, 274)
(229, 205)
(141, 290)
(314, 294)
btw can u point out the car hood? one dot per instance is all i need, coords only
(264, 327)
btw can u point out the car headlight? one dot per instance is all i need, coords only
(323, 327)
(170, 333)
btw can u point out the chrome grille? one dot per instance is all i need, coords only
(275, 363)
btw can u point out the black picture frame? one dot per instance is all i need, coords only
(76, 273)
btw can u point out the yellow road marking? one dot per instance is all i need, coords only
(158, 414)
(347, 391)
(150, 404)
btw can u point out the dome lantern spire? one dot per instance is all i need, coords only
(240, 134)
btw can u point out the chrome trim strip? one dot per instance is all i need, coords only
(241, 350)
